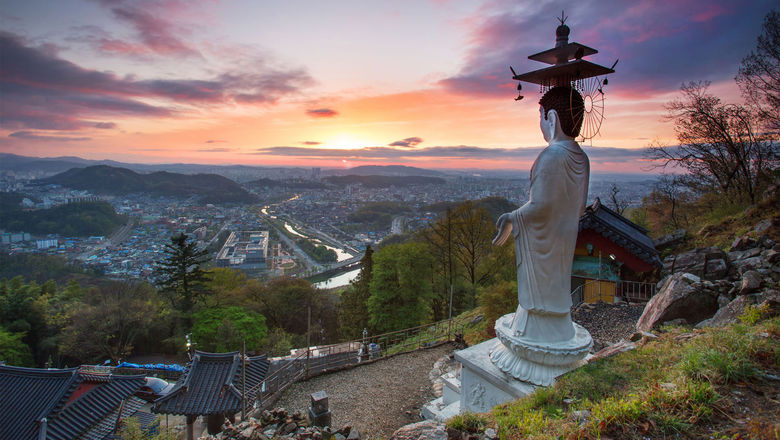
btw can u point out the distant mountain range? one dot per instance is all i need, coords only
(104, 179)
(384, 181)
(384, 170)
(47, 166)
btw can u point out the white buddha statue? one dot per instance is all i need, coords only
(545, 232)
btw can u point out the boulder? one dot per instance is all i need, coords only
(771, 256)
(716, 269)
(763, 225)
(752, 263)
(670, 240)
(710, 263)
(751, 281)
(736, 256)
(680, 296)
(770, 299)
(743, 243)
(425, 430)
(730, 314)
(765, 242)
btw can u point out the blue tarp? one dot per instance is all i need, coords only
(166, 367)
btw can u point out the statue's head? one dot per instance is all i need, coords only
(569, 108)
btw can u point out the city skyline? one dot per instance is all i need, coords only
(423, 84)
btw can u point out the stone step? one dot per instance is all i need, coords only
(439, 411)
(451, 389)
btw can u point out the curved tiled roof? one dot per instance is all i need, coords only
(621, 231)
(212, 385)
(31, 396)
(92, 406)
(28, 396)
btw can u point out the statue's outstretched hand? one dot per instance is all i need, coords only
(504, 225)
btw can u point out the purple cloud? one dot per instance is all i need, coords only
(214, 141)
(409, 142)
(215, 150)
(311, 143)
(104, 125)
(42, 91)
(597, 154)
(322, 113)
(39, 137)
(155, 33)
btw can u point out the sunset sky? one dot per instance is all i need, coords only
(344, 83)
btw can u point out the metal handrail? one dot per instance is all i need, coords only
(636, 291)
(578, 294)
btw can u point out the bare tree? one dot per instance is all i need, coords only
(759, 74)
(440, 238)
(618, 204)
(473, 234)
(665, 203)
(719, 144)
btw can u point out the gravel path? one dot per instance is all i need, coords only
(377, 398)
(608, 323)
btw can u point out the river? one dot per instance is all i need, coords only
(338, 280)
(341, 254)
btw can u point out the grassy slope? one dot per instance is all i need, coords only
(712, 383)
(719, 227)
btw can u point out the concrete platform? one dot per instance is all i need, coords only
(483, 385)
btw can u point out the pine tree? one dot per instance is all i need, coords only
(180, 276)
(353, 313)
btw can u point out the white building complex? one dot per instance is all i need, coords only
(246, 250)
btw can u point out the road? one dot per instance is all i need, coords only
(302, 256)
(116, 238)
(216, 236)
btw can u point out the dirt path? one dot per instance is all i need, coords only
(377, 398)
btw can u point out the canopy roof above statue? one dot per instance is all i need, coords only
(562, 54)
(563, 74)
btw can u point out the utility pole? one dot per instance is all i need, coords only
(243, 380)
(449, 321)
(308, 339)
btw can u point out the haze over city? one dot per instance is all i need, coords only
(341, 84)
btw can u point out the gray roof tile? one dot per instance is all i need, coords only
(212, 385)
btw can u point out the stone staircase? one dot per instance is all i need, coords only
(448, 404)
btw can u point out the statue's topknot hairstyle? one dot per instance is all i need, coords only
(569, 105)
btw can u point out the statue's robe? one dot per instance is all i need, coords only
(545, 231)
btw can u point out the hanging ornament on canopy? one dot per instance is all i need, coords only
(568, 68)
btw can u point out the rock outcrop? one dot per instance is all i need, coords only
(681, 296)
(710, 287)
(670, 240)
(708, 263)
(278, 423)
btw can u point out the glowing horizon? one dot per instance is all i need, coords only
(423, 84)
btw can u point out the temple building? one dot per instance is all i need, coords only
(214, 386)
(64, 404)
(614, 258)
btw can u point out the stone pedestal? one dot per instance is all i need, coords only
(534, 361)
(319, 414)
(483, 385)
